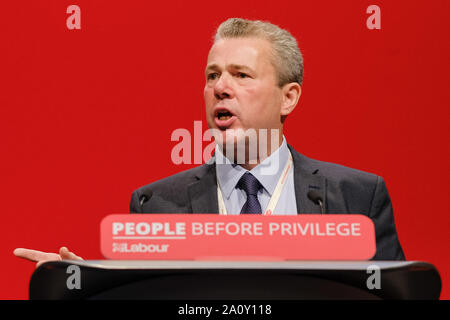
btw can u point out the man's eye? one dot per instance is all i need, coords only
(212, 76)
(242, 75)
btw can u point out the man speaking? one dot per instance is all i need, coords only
(253, 82)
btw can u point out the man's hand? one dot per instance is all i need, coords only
(41, 257)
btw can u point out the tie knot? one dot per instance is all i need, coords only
(249, 184)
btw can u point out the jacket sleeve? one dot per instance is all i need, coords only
(381, 213)
(134, 203)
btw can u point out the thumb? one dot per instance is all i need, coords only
(67, 255)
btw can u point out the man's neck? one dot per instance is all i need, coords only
(249, 164)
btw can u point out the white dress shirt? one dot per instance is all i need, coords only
(228, 175)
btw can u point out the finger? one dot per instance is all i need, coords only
(67, 255)
(64, 253)
(35, 255)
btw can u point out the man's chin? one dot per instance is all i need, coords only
(230, 136)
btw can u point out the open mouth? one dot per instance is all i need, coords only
(224, 115)
(224, 118)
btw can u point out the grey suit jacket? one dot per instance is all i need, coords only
(344, 190)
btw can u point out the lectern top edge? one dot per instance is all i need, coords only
(191, 264)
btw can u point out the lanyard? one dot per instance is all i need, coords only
(275, 196)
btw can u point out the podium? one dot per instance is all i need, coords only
(229, 280)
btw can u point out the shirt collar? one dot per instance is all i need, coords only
(267, 172)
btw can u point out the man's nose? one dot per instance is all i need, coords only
(223, 87)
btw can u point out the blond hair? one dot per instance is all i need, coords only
(287, 58)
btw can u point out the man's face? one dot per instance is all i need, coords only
(241, 90)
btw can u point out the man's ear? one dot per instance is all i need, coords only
(291, 94)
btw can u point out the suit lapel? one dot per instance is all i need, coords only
(307, 177)
(203, 192)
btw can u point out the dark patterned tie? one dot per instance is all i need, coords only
(251, 186)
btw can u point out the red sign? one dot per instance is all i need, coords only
(241, 237)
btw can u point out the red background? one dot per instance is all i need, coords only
(86, 115)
